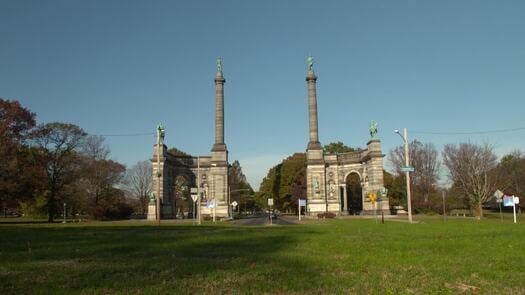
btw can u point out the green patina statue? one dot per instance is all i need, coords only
(310, 62)
(373, 129)
(219, 64)
(152, 198)
(161, 130)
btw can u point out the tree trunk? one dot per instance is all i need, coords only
(480, 209)
(51, 207)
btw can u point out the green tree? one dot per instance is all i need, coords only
(338, 148)
(241, 190)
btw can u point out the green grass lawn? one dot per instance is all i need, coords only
(321, 257)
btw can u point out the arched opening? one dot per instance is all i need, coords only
(354, 194)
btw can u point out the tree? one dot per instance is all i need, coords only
(338, 148)
(139, 183)
(16, 123)
(239, 187)
(510, 173)
(424, 159)
(57, 146)
(469, 166)
(285, 183)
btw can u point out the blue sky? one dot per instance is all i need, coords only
(120, 67)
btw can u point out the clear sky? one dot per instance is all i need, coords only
(120, 67)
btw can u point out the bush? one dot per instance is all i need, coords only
(35, 208)
(326, 215)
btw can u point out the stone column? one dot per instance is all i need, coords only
(345, 202)
(312, 111)
(219, 112)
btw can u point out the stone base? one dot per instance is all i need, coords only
(315, 207)
(220, 211)
(151, 212)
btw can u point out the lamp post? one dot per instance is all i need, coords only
(160, 138)
(198, 189)
(407, 173)
(65, 218)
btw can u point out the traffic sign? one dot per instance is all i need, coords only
(302, 202)
(407, 169)
(270, 202)
(194, 197)
(234, 203)
(211, 204)
(498, 194)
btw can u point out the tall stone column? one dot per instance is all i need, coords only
(316, 188)
(219, 112)
(312, 111)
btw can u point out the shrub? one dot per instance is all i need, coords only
(326, 215)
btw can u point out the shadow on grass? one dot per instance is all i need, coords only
(180, 258)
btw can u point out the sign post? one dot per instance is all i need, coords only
(498, 195)
(234, 204)
(270, 204)
(511, 201)
(301, 204)
(194, 196)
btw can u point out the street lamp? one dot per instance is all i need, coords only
(407, 173)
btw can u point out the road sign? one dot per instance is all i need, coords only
(498, 194)
(407, 169)
(508, 201)
(302, 202)
(270, 202)
(516, 200)
(373, 197)
(194, 197)
(194, 190)
(234, 203)
(500, 200)
(383, 192)
(211, 204)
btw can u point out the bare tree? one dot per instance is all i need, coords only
(469, 166)
(94, 147)
(139, 183)
(57, 147)
(424, 159)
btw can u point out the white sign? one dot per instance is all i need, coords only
(302, 202)
(234, 203)
(516, 200)
(211, 204)
(508, 201)
(194, 198)
(270, 202)
(194, 190)
(498, 194)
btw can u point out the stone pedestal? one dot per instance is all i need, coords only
(151, 212)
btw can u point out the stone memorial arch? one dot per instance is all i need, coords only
(327, 175)
(209, 173)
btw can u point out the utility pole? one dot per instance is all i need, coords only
(407, 173)
(199, 189)
(160, 130)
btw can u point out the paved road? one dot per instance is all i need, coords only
(263, 219)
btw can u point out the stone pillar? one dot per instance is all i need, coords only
(345, 202)
(313, 142)
(219, 112)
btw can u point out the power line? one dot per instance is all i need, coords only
(127, 134)
(471, 132)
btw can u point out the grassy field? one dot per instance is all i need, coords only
(327, 256)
